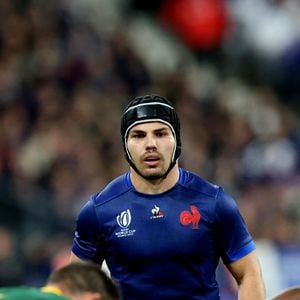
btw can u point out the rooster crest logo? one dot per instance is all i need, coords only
(191, 217)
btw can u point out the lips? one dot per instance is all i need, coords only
(151, 160)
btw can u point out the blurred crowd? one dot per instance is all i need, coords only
(67, 68)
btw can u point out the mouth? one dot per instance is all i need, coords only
(152, 160)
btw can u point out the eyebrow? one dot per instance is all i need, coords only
(155, 130)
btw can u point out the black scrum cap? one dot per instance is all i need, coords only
(151, 108)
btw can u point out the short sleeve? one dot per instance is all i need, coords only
(88, 241)
(233, 236)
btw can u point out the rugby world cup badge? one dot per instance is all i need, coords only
(124, 220)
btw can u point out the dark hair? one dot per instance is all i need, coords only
(85, 277)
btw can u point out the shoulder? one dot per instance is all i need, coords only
(116, 188)
(222, 201)
(27, 293)
(194, 182)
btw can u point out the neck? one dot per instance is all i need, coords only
(156, 186)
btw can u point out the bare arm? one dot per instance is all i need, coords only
(75, 258)
(247, 273)
(292, 293)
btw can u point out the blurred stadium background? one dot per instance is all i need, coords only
(67, 67)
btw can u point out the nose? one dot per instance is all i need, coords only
(150, 142)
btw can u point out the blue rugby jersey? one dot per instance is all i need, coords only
(164, 246)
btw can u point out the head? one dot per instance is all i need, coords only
(84, 281)
(151, 109)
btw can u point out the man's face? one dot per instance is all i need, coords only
(151, 146)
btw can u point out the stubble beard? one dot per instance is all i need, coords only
(153, 176)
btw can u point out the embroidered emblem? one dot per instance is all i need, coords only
(191, 217)
(124, 220)
(156, 213)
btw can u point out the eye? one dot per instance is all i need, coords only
(162, 133)
(137, 135)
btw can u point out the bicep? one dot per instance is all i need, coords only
(247, 266)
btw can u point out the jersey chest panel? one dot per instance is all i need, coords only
(164, 229)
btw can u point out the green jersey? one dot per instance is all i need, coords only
(27, 293)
